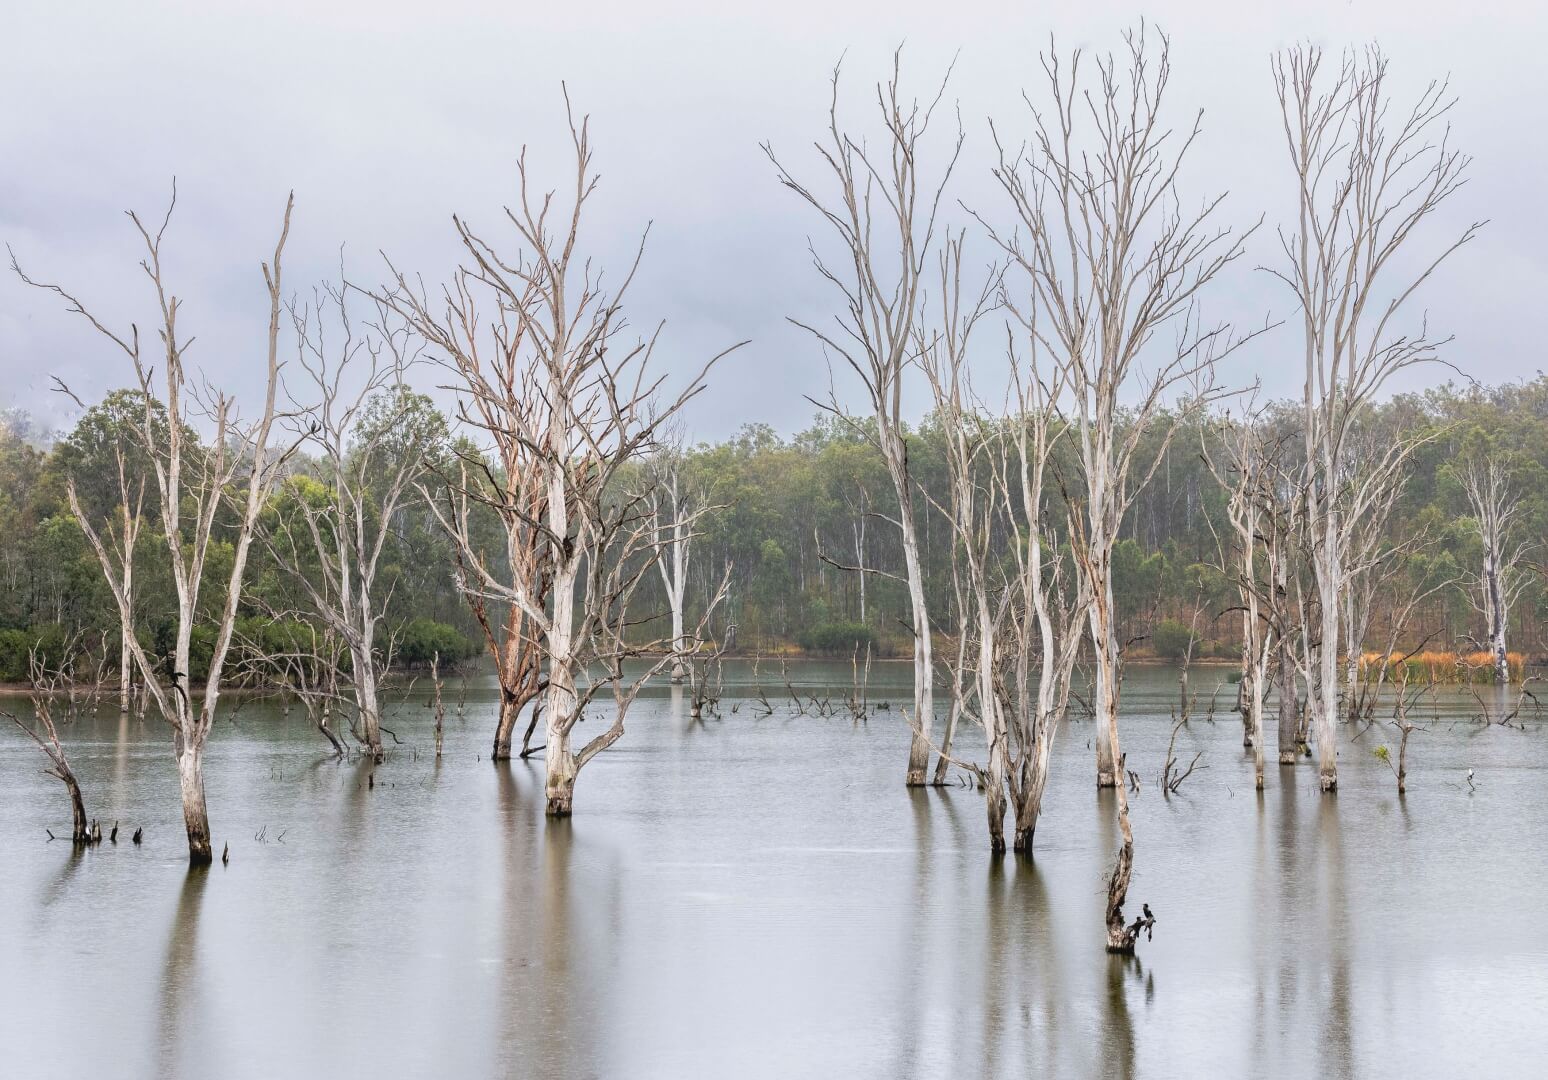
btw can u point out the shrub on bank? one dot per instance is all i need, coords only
(16, 645)
(838, 638)
(1171, 639)
(421, 639)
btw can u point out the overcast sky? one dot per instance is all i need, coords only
(386, 117)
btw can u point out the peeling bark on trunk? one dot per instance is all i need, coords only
(559, 786)
(369, 707)
(1326, 715)
(505, 727)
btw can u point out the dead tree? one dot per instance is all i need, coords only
(1048, 596)
(1496, 507)
(1401, 720)
(675, 503)
(544, 371)
(974, 516)
(1110, 259)
(372, 437)
(439, 706)
(882, 212)
(1367, 178)
(235, 472)
(1237, 461)
(46, 683)
(305, 666)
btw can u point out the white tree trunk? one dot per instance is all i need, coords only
(196, 816)
(1330, 587)
(559, 759)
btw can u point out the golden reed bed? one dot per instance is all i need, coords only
(1446, 667)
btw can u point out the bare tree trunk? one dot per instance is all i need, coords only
(1289, 718)
(440, 707)
(80, 831)
(505, 727)
(368, 702)
(1105, 656)
(1326, 688)
(196, 816)
(125, 669)
(1120, 938)
(924, 664)
(559, 759)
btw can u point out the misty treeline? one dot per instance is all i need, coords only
(782, 503)
(1096, 476)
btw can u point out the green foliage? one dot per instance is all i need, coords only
(790, 516)
(16, 648)
(838, 638)
(1171, 639)
(421, 639)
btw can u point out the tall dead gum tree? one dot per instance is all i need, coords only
(1110, 259)
(235, 471)
(1018, 609)
(1238, 459)
(881, 207)
(352, 409)
(676, 503)
(1496, 507)
(544, 370)
(1368, 175)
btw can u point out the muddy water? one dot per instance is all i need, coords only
(758, 896)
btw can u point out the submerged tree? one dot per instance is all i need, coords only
(193, 484)
(1367, 178)
(373, 437)
(1237, 458)
(882, 207)
(542, 369)
(46, 684)
(1110, 259)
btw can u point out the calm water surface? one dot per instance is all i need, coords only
(760, 897)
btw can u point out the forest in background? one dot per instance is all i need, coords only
(786, 509)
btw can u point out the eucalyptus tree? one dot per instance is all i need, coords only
(236, 472)
(1107, 260)
(1497, 508)
(676, 503)
(1368, 173)
(1237, 456)
(538, 350)
(372, 437)
(881, 207)
(1110, 259)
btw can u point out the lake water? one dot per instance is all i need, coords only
(759, 896)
